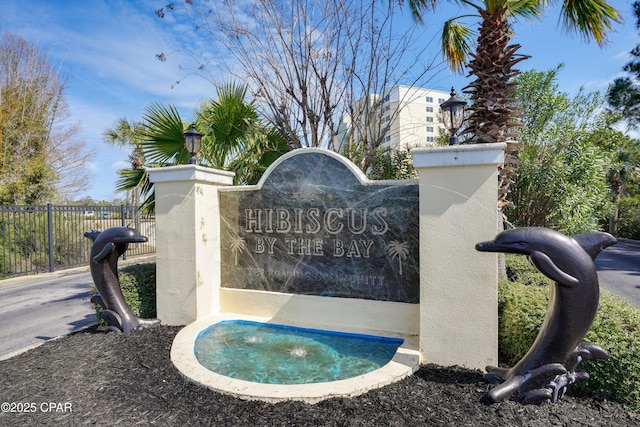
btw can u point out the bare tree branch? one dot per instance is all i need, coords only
(311, 63)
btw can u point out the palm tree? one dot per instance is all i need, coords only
(128, 134)
(240, 141)
(234, 138)
(161, 142)
(619, 172)
(493, 113)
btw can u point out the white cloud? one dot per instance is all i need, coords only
(120, 165)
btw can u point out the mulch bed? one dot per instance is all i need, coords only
(110, 379)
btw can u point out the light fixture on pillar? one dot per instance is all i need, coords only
(453, 115)
(192, 140)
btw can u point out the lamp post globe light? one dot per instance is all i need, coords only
(192, 141)
(453, 115)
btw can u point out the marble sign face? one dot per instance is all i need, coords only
(315, 225)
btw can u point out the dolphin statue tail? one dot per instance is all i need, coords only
(530, 387)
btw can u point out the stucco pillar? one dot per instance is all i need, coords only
(187, 241)
(458, 285)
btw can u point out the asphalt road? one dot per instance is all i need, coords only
(619, 270)
(32, 313)
(34, 309)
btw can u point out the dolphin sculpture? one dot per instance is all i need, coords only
(107, 247)
(548, 368)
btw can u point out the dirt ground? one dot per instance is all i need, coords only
(93, 378)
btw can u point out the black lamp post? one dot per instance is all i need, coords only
(453, 115)
(192, 140)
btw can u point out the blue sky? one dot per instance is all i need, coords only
(108, 48)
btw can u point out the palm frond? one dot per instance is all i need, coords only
(138, 178)
(124, 134)
(230, 120)
(593, 19)
(131, 178)
(527, 9)
(149, 203)
(163, 135)
(456, 41)
(418, 6)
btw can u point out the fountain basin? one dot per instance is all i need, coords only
(404, 361)
(279, 354)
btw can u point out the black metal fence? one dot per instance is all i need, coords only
(36, 239)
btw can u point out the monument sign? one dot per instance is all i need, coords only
(316, 225)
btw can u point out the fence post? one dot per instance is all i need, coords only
(123, 222)
(50, 237)
(122, 215)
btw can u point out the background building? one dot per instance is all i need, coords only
(404, 117)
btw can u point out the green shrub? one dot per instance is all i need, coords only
(616, 328)
(138, 284)
(520, 270)
(529, 300)
(521, 311)
(629, 220)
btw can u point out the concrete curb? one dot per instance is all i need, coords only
(24, 349)
(45, 277)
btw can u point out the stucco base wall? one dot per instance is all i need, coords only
(338, 314)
